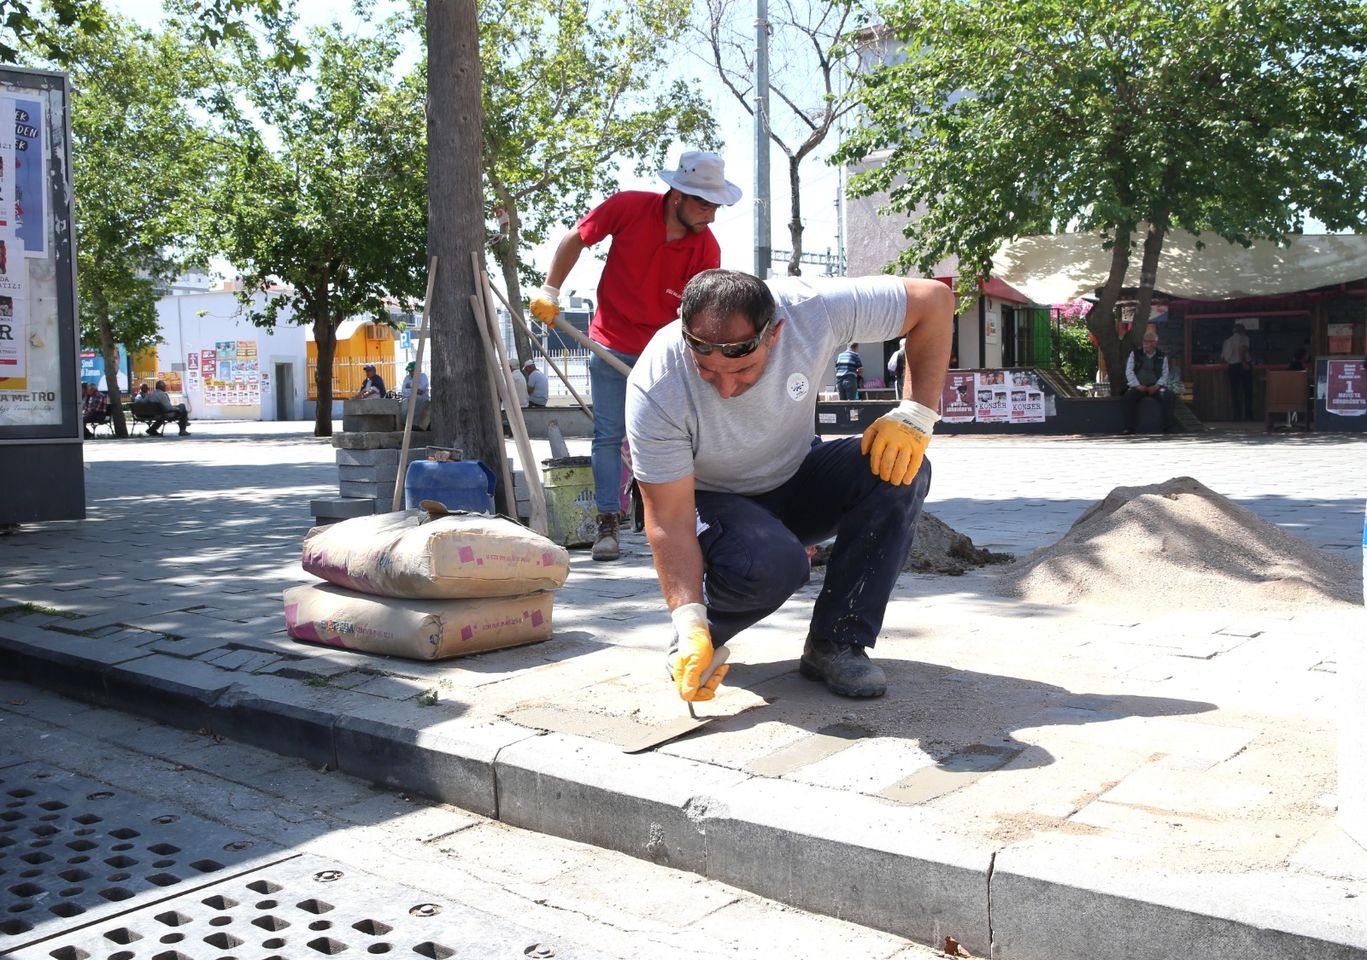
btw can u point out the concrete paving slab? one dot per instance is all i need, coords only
(1029, 765)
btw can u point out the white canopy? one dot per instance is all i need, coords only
(1057, 269)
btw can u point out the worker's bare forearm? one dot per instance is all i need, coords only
(565, 257)
(671, 528)
(678, 563)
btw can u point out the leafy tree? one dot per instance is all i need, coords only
(810, 63)
(324, 191)
(566, 91)
(139, 162)
(44, 29)
(1130, 118)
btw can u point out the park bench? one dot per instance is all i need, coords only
(151, 415)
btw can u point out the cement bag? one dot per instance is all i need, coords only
(417, 629)
(462, 555)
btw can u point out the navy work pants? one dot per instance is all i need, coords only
(754, 547)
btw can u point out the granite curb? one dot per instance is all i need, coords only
(854, 856)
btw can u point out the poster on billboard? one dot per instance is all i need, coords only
(39, 369)
(1345, 392)
(956, 403)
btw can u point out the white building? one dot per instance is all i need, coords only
(228, 368)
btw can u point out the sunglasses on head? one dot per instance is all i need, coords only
(731, 351)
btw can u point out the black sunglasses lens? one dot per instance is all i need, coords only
(730, 351)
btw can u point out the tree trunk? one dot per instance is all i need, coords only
(1101, 320)
(461, 412)
(110, 351)
(325, 338)
(1148, 269)
(505, 252)
(795, 224)
(507, 260)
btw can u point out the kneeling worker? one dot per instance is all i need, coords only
(720, 409)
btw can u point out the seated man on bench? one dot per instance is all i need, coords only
(177, 412)
(94, 409)
(1146, 374)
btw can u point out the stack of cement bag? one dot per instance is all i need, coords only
(409, 585)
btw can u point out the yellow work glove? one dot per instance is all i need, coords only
(545, 306)
(896, 442)
(691, 663)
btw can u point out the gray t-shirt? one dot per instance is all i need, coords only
(679, 425)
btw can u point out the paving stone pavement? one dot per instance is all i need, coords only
(1040, 781)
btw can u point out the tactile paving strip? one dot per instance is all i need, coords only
(74, 851)
(302, 908)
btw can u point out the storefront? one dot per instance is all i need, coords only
(1289, 331)
(1300, 304)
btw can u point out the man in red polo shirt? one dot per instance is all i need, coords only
(659, 242)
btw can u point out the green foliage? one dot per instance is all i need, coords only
(324, 190)
(44, 30)
(139, 162)
(569, 87)
(1075, 353)
(1006, 120)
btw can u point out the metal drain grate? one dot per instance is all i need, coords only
(74, 851)
(305, 907)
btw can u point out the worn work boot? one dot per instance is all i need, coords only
(605, 546)
(845, 667)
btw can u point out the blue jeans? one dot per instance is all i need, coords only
(847, 387)
(609, 429)
(754, 548)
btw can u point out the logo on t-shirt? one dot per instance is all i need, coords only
(798, 386)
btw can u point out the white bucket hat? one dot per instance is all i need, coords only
(701, 173)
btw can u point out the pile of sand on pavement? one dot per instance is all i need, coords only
(1180, 544)
(937, 548)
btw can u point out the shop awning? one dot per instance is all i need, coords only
(1057, 269)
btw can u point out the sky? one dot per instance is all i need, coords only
(734, 226)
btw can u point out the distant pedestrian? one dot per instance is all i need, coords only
(1239, 369)
(897, 367)
(848, 369)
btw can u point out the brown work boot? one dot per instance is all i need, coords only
(605, 546)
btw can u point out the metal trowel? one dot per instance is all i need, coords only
(665, 732)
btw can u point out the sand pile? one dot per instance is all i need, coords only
(1180, 544)
(937, 548)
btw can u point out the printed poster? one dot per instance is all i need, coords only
(956, 404)
(1346, 388)
(8, 181)
(30, 160)
(231, 371)
(15, 335)
(1027, 406)
(994, 397)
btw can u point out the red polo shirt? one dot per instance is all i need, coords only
(645, 274)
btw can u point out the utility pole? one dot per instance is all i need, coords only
(763, 235)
